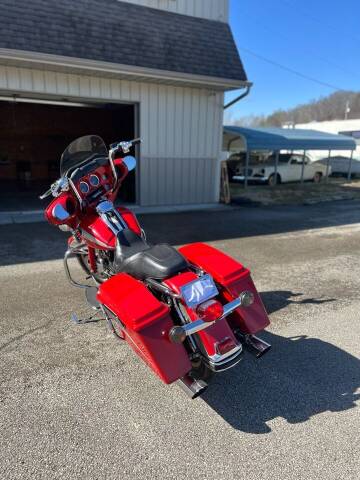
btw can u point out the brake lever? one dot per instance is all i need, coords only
(46, 194)
(61, 185)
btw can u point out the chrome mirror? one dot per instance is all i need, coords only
(130, 162)
(60, 213)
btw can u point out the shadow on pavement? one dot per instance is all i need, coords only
(300, 377)
(31, 242)
(279, 299)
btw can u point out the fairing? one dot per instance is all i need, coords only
(66, 200)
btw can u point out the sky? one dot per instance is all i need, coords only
(317, 38)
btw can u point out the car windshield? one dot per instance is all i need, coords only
(80, 151)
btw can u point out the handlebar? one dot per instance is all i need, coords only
(125, 146)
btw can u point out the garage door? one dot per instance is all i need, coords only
(34, 135)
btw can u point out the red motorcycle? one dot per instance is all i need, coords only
(187, 313)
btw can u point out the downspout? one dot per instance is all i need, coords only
(237, 99)
(240, 97)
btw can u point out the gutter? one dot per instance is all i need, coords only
(14, 57)
(240, 97)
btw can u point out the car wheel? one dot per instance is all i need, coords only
(317, 177)
(271, 180)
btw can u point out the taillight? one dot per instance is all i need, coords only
(225, 346)
(210, 311)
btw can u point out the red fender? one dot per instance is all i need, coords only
(234, 278)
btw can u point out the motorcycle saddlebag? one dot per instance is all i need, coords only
(146, 322)
(234, 278)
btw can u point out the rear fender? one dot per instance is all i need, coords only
(212, 335)
(234, 278)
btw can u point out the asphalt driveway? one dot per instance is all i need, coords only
(75, 403)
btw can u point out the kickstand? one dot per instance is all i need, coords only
(82, 321)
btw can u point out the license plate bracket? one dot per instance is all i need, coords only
(199, 291)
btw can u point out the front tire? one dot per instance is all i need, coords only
(83, 260)
(271, 180)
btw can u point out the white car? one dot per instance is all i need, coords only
(288, 170)
(340, 166)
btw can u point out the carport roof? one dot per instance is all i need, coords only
(122, 33)
(288, 139)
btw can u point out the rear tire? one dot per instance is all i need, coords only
(202, 372)
(317, 177)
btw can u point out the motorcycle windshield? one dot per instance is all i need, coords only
(80, 151)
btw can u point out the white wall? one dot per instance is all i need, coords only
(210, 9)
(181, 128)
(334, 126)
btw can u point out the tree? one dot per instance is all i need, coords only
(331, 107)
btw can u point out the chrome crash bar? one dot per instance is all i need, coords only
(178, 333)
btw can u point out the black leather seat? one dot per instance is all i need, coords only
(140, 260)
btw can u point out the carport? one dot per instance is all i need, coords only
(277, 139)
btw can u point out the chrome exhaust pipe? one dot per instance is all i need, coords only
(192, 387)
(254, 345)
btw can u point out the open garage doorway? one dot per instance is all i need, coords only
(33, 136)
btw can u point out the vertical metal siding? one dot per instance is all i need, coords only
(180, 126)
(210, 9)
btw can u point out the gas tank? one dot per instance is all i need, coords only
(98, 235)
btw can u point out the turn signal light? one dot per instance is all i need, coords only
(210, 311)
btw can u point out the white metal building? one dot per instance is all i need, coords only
(151, 68)
(349, 128)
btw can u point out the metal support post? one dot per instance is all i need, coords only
(327, 167)
(350, 165)
(246, 168)
(303, 167)
(276, 166)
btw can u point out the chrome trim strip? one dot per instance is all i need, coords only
(220, 359)
(231, 362)
(76, 192)
(111, 217)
